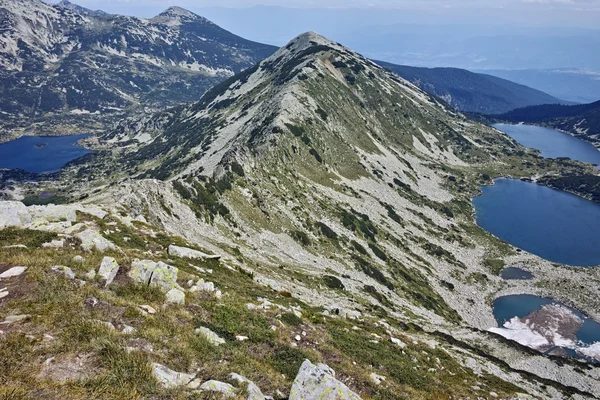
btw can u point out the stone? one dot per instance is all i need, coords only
(252, 390)
(225, 389)
(209, 335)
(298, 338)
(170, 379)
(91, 239)
(241, 338)
(78, 259)
(164, 277)
(55, 244)
(68, 272)
(93, 211)
(141, 271)
(205, 286)
(14, 318)
(108, 270)
(3, 293)
(106, 324)
(175, 296)
(12, 272)
(148, 309)
(90, 275)
(15, 246)
(317, 382)
(398, 342)
(376, 379)
(53, 213)
(128, 330)
(185, 252)
(13, 213)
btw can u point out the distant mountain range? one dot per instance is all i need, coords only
(472, 92)
(569, 84)
(581, 120)
(75, 69)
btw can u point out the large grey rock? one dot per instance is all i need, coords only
(175, 296)
(141, 271)
(209, 335)
(13, 213)
(91, 239)
(14, 271)
(252, 390)
(108, 270)
(171, 379)
(317, 382)
(185, 252)
(164, 277)
(225, 389)
(53, 213)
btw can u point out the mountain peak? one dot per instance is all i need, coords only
(309, 39)
(82, 10)
(176, 15)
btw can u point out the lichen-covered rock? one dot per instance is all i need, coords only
(164, 277)
(91, 239)
(317, 382)
(175, 296)
(169, 379)
(108, 270)
(141, 271)
(209, 335)
(252, 390)
(68, 272)
(13, 213)
(225, 389)
(185, 252)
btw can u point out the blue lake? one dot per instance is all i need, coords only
(555, 225)
(41, 153)
(508, 307)
(552, 143)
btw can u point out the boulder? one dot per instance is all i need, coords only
(169, 379)
(225, 389)
(252, 390)
(68, 272)
(91, 239)
(108, 270)
(185, 252)
(141, 271)
(175, 296)
(13, 213)
(209, 335)
(53, 213)
(14, 271)
(317, 382)
(164, 277)
(54, 244)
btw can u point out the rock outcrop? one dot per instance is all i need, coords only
(317, 382)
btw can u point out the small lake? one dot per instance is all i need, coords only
(41, 154)
(555, 225)
(507, 307)
(515, 273)
(551, 143)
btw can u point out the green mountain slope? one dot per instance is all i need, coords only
(472, 92)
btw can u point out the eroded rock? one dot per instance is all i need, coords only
(91, 239)
(175, 296)
(13, 214)
(108, 270)
(169, 379)
(185, 252)
(209, 335)
(225, 389)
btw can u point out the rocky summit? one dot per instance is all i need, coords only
(305, 231)
(64, 68)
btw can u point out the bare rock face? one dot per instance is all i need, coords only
(317, 382)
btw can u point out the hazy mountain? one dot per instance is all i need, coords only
(72, 69)
(568, 84)
(471, 92)
(582, 120)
